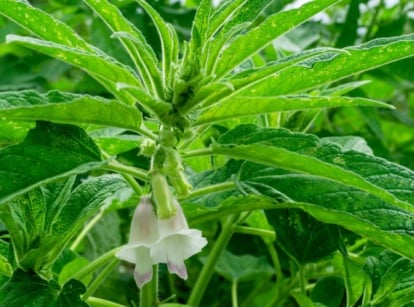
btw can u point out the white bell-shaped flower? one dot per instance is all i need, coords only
(143, 234)
(176, 242)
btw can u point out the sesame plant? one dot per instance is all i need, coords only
(196, 154)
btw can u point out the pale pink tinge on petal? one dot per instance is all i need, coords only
(178, 268)
(142, 278)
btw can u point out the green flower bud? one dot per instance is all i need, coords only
(162, 196)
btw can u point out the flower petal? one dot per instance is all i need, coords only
(142, 278)
(144, 226)
(178, 268)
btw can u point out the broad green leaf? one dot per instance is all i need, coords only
(139, 50)
(68, 108)
(12, 132)
(392, 277)
(214, 93)
(105, 70)
(49, 151)
(29, 289)
(237, 268)
(323, 69)
(300, 236)
(114, 140)
(305, 170)
(198, 214)
(329, 291)
(48, 217)
(42, 24)
(240, 106)
(259, 37)
(52, 30)
(85, 201)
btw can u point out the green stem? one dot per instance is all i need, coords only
(134, 185)
(234, 300)
(128, 170)
(302, 280)
(98, 302)
(268, 234)
(280, 281)
(208, 269)
(149, 293)
(96, 264)
(100, 279)
(348, 283)
(224, 186)
(197, 153)
(86, 229)
(200, 130)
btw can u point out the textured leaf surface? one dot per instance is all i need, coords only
(104, 69)
(28, 289)
(68, 108)
(365, 194)
(392, 277)
(248, 106)
(168, 38)
(242, 267)
(323, 69)
(132, 39)
(42, 24)
(48, 152)
(247, 45)
(301, 236)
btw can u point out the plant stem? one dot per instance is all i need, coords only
(234, 300)
(149, 293)
(98, 302)
(86, 229)
(93, 266)
(134, 185)
(208, 269)
(197, 153)
(129, 170)
(224, 186)
(100, 279)
(268, 234)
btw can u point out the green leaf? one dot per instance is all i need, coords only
(42, 24)
(68, 108)
(104, 69)
(28, 289)
(329, 291)
(12, 132)
(237, 268)
(392, 277)
(85, 201)
(169, 42)
(323, 69)
(359, 192)
(245, 46)
(214, 93)
(6, 268)
(49, 151)
(200, 25)
(134, 42)
(236, 22)
(301, 236)
(249, 106)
